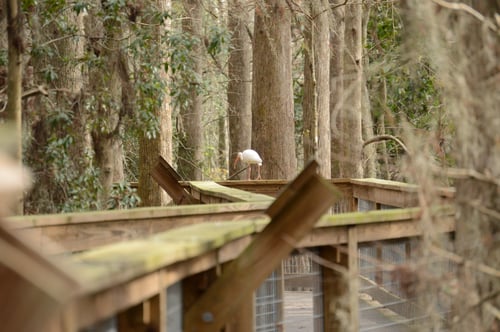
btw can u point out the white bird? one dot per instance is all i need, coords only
(249, 157)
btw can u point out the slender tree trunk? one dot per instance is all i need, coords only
(369, 152)
(351, 113)
(385, 169)
(272, 102)
(106, 85)
(316, 102)
(160, 145)
(15, 69)
(15, 41)
(239, 90)
(191, 141)
(337, 45)
(222, 161)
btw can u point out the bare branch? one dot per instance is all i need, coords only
(460, 260)
(462, 173)
(35, 91)
(468, 10)
(381, 138)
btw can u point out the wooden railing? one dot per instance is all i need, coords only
(123, 262)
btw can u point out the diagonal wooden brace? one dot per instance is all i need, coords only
(307, 198)
(169, 179)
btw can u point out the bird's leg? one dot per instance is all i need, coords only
(249, 172)
(258, 173)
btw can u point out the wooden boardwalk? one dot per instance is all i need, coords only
(115, 264)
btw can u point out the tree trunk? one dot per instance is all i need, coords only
(316, 111)
(106, 85)
(239, 89)
(337, 45)
(272, 102)
(369, 152)
(191, 136)
(14, 77)
(351, 113)
(15, 69)
(160, 145)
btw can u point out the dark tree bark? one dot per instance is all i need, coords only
(239, 90)
(272, 102)
(316, 102)
(351, 112)
(337, 45)
(191, 135)
(14, 77)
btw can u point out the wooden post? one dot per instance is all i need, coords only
(243, 319)
(335, 287)
(291, 222)
(131, 319)
(379, 271)
(340, 286)
(157, 313)
(353, 259)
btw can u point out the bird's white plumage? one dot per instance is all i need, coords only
(249, 157)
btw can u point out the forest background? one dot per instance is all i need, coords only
(403, 90)
(114, 84)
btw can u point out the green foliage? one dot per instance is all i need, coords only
(3, 57)
(412, 93)
(80, 7)
(402, 88)
(76, 178)
(218, 38)
(122, 196)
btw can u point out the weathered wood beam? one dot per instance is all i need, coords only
(169, 179)
(33, 288)
(72, 232)
(212, 192)
(290, 222)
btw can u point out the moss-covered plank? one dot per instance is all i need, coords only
(83, 231)
(209, 188)
(378, 216)
(132, 214)
(386, 184)
(121, 261)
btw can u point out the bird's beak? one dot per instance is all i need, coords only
(236, 161)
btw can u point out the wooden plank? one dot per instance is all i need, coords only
(245, 273)
(169, 179)
(381, 216)
(394, 193)
(391, 197)
(56, 234)
(205, 191)
(369, 232)
(33, 288)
